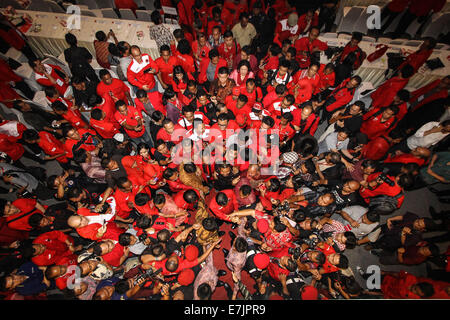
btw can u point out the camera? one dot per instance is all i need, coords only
(143, 237)
(147, 275)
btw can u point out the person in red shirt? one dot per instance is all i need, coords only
(305, 120)
(106, 129)
(286, 130)
(51, 246)
(74, 136)
(70, 115)
(403, 285)
(280, 268)
(229, 49)
(18, 212)
(124, 196)
(170, 132)
(253, 93)
(289, 28)
(231, 11)
(222, 204)
(131, 120)
(187, 199)
(418, 58)
(50, 75)
(437, 89)
(379, 122)
(165, 63)
(200, 48)
(142, 69)
(419, 155)
(334, 261)
(183, 53)
(238, 106)
(179, 80)
(113, 87)
(385, 93)
(111, 252)
(52, 147)
(340, 96)
(286, 105)
(311, 80)
(216, 61)
(400, 100)
(308, 20)
(310, 44)
(326, 78)
(351, 46)
(377, 186)
(63, 269)
(106, 104)
(270, 61)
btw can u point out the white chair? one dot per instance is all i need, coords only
(330, 35)
(348, 22)
(368, 39)
(88, 13)
(384, 40)
(109, 13)
(54, 6)
(127, 14)
(143, 15)
(56, 61)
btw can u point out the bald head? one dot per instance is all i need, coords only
(75, 221)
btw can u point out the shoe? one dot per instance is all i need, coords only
(232, 235)
(221, 273)
(234, 226)
(221, 233)
(227, 287)
(225, 252)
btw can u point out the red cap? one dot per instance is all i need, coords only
(310, 293)
(262, 225)
(261, 260)
(186, 277)
(191, 252)
(236, 91)
(258, 106)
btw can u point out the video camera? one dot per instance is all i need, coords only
(147, 275)
(383, 176)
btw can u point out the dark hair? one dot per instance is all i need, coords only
(178, 34)
(71, 39)
(404, 95)
(405, 180)
(343, 262)
(360, 104)
(407, 71)
(427, 289)
(168, 173)
(59, 106)
(96, 114)
(221, 199)
(30, 134)
(141, 199)
(163, 235)
(310, 167)
(291, 265)
(246, 189)
(35, 219)
(125, 239)
(275, 49)
(368, 163)
(213, 53)
(351, 240)
(157, 116)
(243, 98)
(280, 89)
(210, 224)
(97, 249)
(240, 244)
(357, 36)
(190, 167)
(269, 121)
(434, 249)
(184, 47)
(373, 216)
(50, 91)
(121, 47)
(156, 17)
(275, 185)
(179, 69)
(80, 156)
(279, 226)
(204, 291)
(167, 95)
(358, 79)
(122, 286)
(227, 34)
(143, 222)
(100, 35)
(321, 258)
(190, 196)
(290, 98)
(164, 47)
(103, 73)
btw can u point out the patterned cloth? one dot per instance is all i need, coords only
(208, 275)
(235, 261)
(336, 227)
(161, 35)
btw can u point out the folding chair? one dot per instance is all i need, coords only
(54, 7)
(127, 14)
(349, 20)
(88, 13)
(109, 13)
(143, 15)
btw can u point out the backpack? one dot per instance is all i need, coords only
(384, 204)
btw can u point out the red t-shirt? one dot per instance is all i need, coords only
(166, 68)
(131, 119)
(117, 88)
(25, 206)
(105, 128)
(51, 146)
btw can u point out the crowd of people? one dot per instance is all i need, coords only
(235, 132)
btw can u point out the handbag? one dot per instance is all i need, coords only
(378, 53)
(394, 60)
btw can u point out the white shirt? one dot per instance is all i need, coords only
(419, 140)
(356, 213)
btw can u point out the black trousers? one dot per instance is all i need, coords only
(404, 22)
(390, 15)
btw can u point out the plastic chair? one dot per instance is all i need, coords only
(61, 63)
(143, 15)
(104, 4)
(109, 13)
(91, 4)
(127, 14)
(88, 13)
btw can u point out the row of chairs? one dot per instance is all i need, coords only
(355, 19)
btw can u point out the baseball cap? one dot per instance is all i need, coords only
(310, 293)
(191, 252)
(262, 225)
(261, 260)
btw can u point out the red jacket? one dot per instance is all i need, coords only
(373, 127)
(384, 95)
(416, 59)
(56, 247)
(325, 80)
(415, 95)
(405, 158)
(202, 78)
(223, 212)
(306, 126)
(52, 146)
(184, 60)
(302, 23)
(303, 44)
(19, 221)
(383, 189)
(343, 96)
(136, 75)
